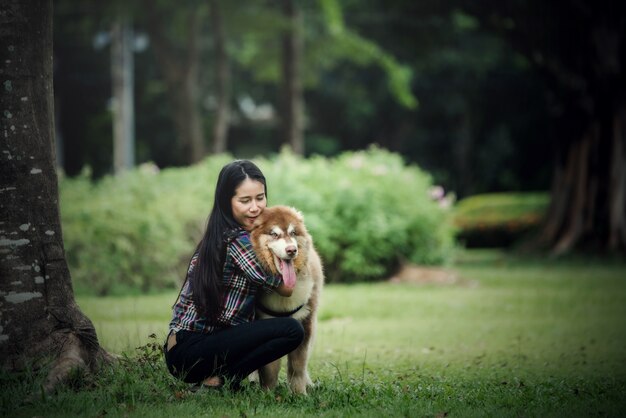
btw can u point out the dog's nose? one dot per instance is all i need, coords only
(291, 251)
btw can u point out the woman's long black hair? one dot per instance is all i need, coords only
(206, 282)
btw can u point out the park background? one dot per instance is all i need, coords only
(460, 166)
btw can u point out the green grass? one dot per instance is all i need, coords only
(514, 337)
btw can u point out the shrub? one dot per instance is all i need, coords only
(498, 219)
(366, 210)
(136, 231)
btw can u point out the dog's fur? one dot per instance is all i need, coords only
(275, 233)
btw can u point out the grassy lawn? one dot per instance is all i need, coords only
(512, 337)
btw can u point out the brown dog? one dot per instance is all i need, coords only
(283, 246)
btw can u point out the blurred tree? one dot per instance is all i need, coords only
(40, 319)
(122, 75)
(481, 124)
(340, 43)
(580, 48)
(222, 79)
(329, 45)
(292, 98)
(467, 129)
(179, 62)
(95, 58)
(82, 87)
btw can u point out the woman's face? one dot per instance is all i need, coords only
(248, 202)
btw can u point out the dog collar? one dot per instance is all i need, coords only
(268, 311)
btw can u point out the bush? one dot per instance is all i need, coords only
(498, 219)
(137, 231)
(366, 210)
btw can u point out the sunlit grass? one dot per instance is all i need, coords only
(124, 323)
(511, 337)
(536, 318)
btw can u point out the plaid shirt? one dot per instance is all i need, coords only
(242, 279)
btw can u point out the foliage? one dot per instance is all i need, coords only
(466, 131)
(512, 337)
(349, 45)
(366, 211)
(134, 232)
(498, 219)
(329, 42)
(364, 67)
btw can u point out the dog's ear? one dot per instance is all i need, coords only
(299, 216)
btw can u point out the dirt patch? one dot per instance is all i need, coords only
(422, 275)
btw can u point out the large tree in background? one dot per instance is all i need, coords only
(122, 83)
(292, 105)
(580, 48)
(296, 69)
(176, 79)
(39, 318)
(222, 78)
(180, 67)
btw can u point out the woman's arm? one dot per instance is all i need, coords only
(242, 255)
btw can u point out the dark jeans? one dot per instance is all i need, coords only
(234, 352)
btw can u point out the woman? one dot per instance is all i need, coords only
(213, 338)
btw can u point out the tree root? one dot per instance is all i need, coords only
(75, 355)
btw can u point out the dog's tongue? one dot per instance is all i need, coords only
(289, 273)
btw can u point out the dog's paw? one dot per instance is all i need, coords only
(298, 385)
(254, 377)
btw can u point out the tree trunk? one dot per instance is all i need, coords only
(39, 317)
(293, 101)
(181, 79)
(588, 94)
(579, 203)
(588, 206)
(222, 81)
(588, 198)
(617, 183)
(122, 75)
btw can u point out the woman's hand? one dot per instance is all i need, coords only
(284, 290)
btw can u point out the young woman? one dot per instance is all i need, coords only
(213, 338)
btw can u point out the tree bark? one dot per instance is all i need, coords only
(293, 101)
(575, 182)
(39, 318)
(617, 188)
(588, 197)
(222, 81)
(181, 78)
(594, 189)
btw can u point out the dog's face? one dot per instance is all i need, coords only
(281, 241)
